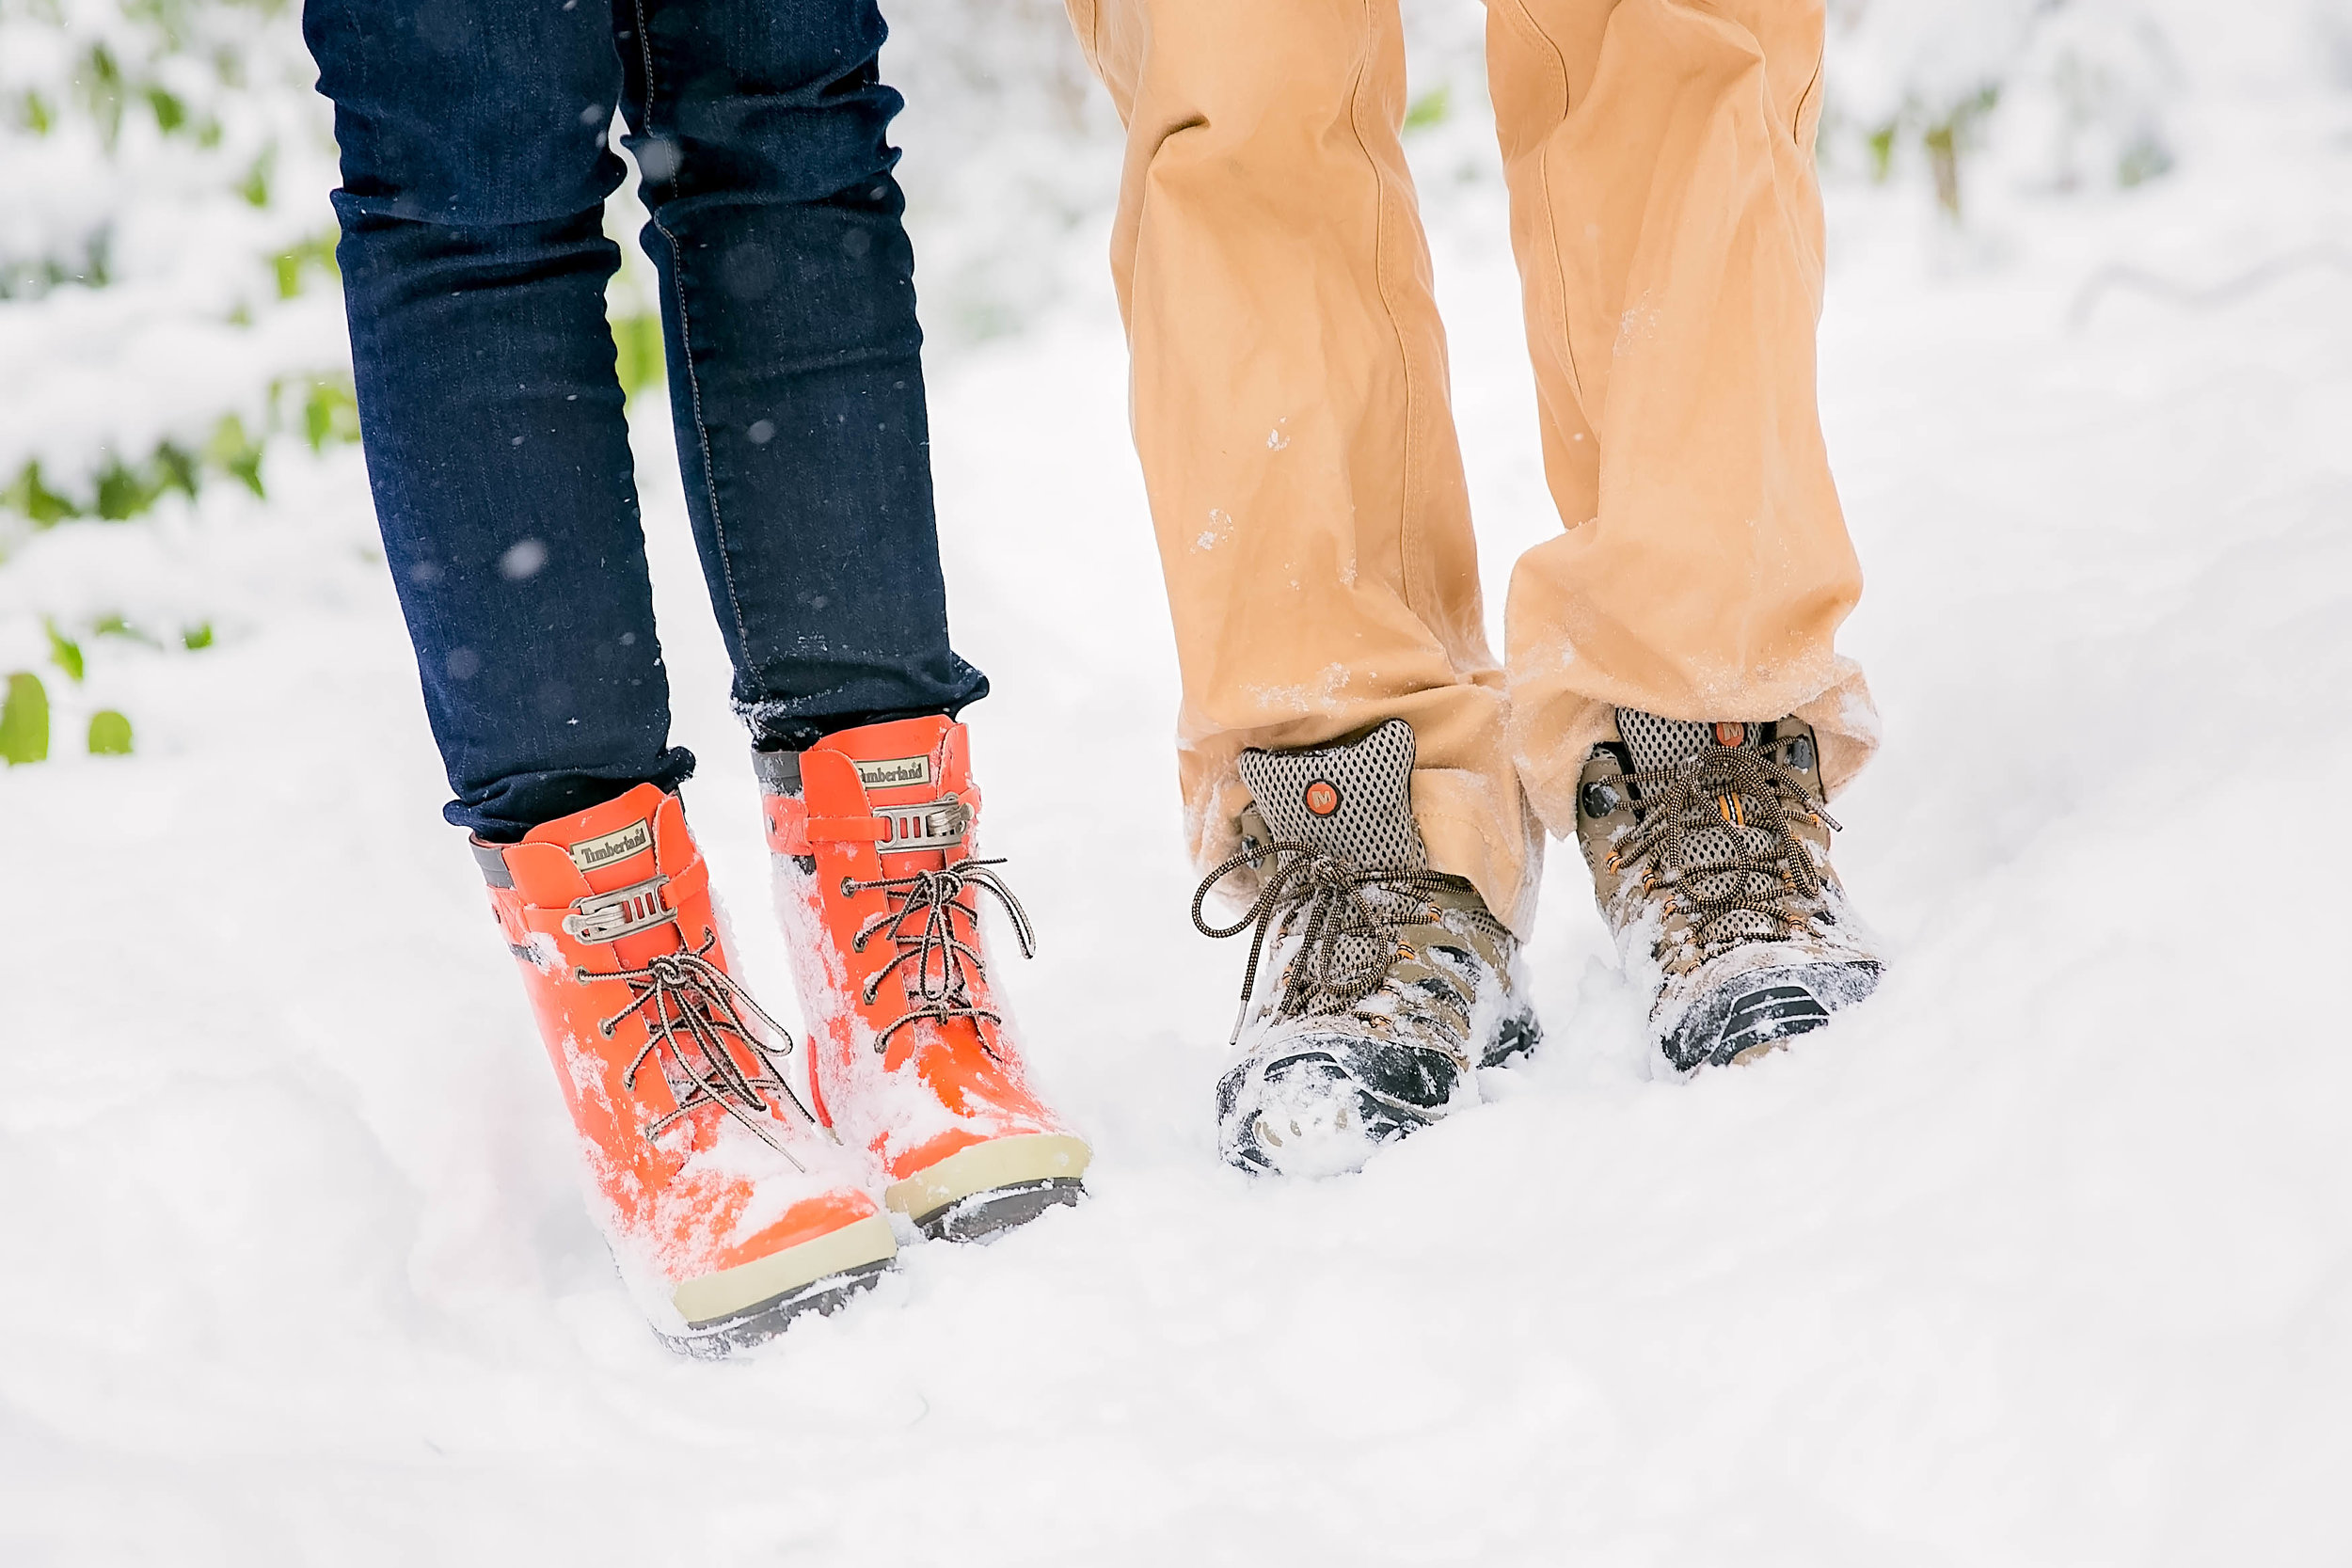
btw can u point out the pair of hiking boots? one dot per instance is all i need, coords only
(732, 1203)
(1393, 983)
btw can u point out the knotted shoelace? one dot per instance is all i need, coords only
(1716, 833)
(1348, 940)
(692, 1008)
(922, 926)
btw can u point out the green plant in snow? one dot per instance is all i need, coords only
(638, 351)
(109, 733)
(144, 107)
(323, 409)
(1429, 109)
(24, 721)
(64, 652)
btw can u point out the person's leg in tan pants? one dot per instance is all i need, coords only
(1290, 411)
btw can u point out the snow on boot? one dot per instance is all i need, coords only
(728, 1209)
(1394, 983)
(879, 887)
(1709, 853)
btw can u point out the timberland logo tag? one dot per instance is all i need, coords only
(620, 844)
(895, 773)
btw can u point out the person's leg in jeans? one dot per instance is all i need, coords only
(474, 265)
(796, 378)
(797, 388)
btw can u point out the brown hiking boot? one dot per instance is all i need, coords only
(1709, 853)
(1376, 986)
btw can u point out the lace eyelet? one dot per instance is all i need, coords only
(579, 974)
(604, 1029)
(847, 891)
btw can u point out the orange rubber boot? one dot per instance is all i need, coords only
(729, 1210)
(879, 891)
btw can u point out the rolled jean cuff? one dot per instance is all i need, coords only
(509, 809)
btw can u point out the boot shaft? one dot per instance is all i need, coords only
(873, 834)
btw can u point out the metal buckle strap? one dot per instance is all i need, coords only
(623, 912)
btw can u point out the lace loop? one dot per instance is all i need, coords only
(692, 1009)
(939, 986)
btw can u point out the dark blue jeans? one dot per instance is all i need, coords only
(474, 263)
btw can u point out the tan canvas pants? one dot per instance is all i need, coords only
(1290, 402)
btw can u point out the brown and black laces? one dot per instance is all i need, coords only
(695, 1017)
(935, 962)
(1349, 917)
(1719, 836)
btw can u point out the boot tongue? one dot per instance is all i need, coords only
(1655, 744)
(1352, 798)
(1658, 744)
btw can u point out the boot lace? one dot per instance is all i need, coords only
(1717, 834)
(693, 1009)
(921, 923)
(1351, 917)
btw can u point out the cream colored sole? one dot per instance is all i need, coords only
(1027, 1160)
(716, 1298)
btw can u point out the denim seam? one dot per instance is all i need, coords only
(686, 353)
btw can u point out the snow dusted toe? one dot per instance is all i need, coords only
(728, 1209)
(1709, 854)
(1395, 981)
(873, 832)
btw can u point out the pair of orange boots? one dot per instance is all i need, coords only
(733, 1204)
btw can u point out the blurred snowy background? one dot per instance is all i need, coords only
(2044, 1255)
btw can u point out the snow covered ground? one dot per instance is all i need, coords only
(2044, 1255)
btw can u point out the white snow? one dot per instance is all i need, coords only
(2044, 1255)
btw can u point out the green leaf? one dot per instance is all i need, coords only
(123, 492)
(638, 353)
(24, 721)
(101, 81)
(198, 636)
(317, 253)
(1429, 108)
(254, 187)
(1881, 144)
(115, 626)
(33, 499)
(109, 733)
(330, 413)
(64, 652)
(170, 114)
(233, 451)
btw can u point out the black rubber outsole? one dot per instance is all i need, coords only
(1763, 1009)
(985, 1216)
(763, 1321)
(1516, 1039)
